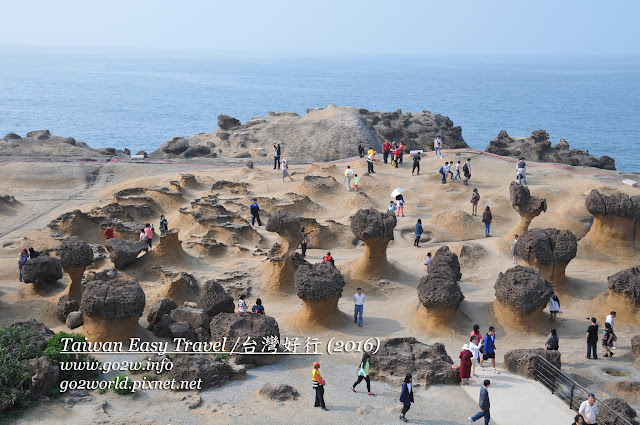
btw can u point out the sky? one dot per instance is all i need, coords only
(325, 27)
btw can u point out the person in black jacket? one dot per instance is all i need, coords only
(406, 396)
(255, 212)
(276, 156)
(484, 404)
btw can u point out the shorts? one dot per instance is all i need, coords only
(604, 343)
(488, 356)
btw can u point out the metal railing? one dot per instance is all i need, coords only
(572, 393)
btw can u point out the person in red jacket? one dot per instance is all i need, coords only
(328, 258)
(397, 156)
(386, 147)
(401, 151)
(108, 233)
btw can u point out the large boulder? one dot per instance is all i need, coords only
(622, 407)
(43, 377)
(122, 253)
(550, 250)
(225, 122)
(194, 317)
(527, 206)
(439, 291)
(160, 308)
(627, 284)
(65, 306)
(428, 364)
(75, 255)
(111, 309)
(42, 271)
(40, 334)
(375, 229)
(248, 327)
(525, 362)
(280, 267)
(175, 146)
(215, 300)
(635, 345)
(279, 392)
(211, 370)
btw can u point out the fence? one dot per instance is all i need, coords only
(572, 393)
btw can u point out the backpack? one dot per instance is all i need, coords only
(554, 344)
(465, 168)
(441, 171)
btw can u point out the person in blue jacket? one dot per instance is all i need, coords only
(489, 349)
(419, 231)
(255, 212)
(406, 396)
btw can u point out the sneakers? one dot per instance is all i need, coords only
(402, 418)
(496, 371)
(325, 409)
(470, 420)
(353, 389)
(371, 394)
(480, 367)
(611, 355)
(606, 355)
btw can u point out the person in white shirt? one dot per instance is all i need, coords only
(610, 319)
(521, 173)
(589, 410)
(348, 176)
(437, 146)
(427, 261)
(358, 300)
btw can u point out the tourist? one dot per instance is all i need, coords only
(356, 181)
(466, 170)
(276, 156)
(419, 231)
(553, 342)
(401, 148)
(400, 206)
(443, 172)
(476, 332)
(610, 319)
(108, 232)
(592, 340)
(148, 231)
(486, 219)
(22, 260)
(465, 364)
(164, 225)
(329, 259)
(406, 396)
(358, 300)
(428, 261)
(143, 234)
(489, 349)
(514, 244)
(370, 160)
(578, 420)
(521, 171)
(348, 175)
(437, 146)
(554, 306)
(33, 253)
(393, 154)
(255, 212)
(589, 410)
(285, 170)
(484, 404)
(607, 339)
(318, 385)
(392, 207)
(457, 171)
(363, 373)
(305, 241)
(416, 163)
(398, 156)
(475, 198)
(242, 304)
(474, 347)
(449, 164)
(258, 308)
(386, 148)
(361, 150)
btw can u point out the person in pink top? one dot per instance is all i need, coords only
(476, 332)
(148, 231)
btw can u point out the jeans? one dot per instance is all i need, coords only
(487, 417)
(369, 167)
(444, 178)
(385, 156)
(487, 226)
(255, 217)
(319, 396)
(366, 378)
(457, 175)
(358, 312)
(304, 249)
(416, 242)
(592, 347)
(276, 162)
(521, 176)
(439, 152)
(401, 158)
(20, 273)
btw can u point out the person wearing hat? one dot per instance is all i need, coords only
(318, 385)
(465, 364)
(589, 410)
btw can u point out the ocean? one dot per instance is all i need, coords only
(139, 99)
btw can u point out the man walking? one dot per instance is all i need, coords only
(484, 404)
(521, 173)
(489, 349)
(416, 163)
(589, 410)
(318, 385)
(348, 175)
(592, 339)
(255, 212)
(449, 169)
(386, 148)
(401, 147)
(276, 156)
(443, 172)
(358, 300)
(437, 146)
(466, 170)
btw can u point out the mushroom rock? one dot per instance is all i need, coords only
(429, 364)
(550, 250)
(521, 295)
(247, 328)
(42, 271)
(623, 295)
(527, 206)
(375, 229)
(319, 286)
(280, 266)
(122, 253)
(169, 247)
(179, 286)
(75, 255)
(215, 300)
(188, 181)
(616, 226)
(110, 309)
(439, 291)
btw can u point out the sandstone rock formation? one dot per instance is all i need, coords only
(42, 271)
(635, 345)
(526, 361)
(529, 207)
(521, 295)
(247, 328)
(278, 392)
(627, 284)
(375, 229)
(43, 377)
(178, 286)
(212, 370)
(75, 255)
(41, 145)
(439, 291)
(65, 306)
(319, 286)
(215, 300)
(615, 231)
(538, 148)
(429, 364)
(622, 407)
(550, 250)
(111, 309)
(122, 253)
(279, 277)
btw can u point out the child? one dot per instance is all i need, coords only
(242, 304)
(356, 181)
(392, 206)
(457, 171)
(328, 258)
(427, 261)
(401, 207)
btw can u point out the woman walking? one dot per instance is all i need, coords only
(363, 373)
(607, 339)
(553, 342)
(514, 254)
(305, 241)
(486, 219)
(285, 170)
(475, 197)
(465, 364)
(419, 231)
(474, 347)
(22, 260)
(406, 396)
(554, 306)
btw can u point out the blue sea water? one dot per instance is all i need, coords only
(140, 99)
